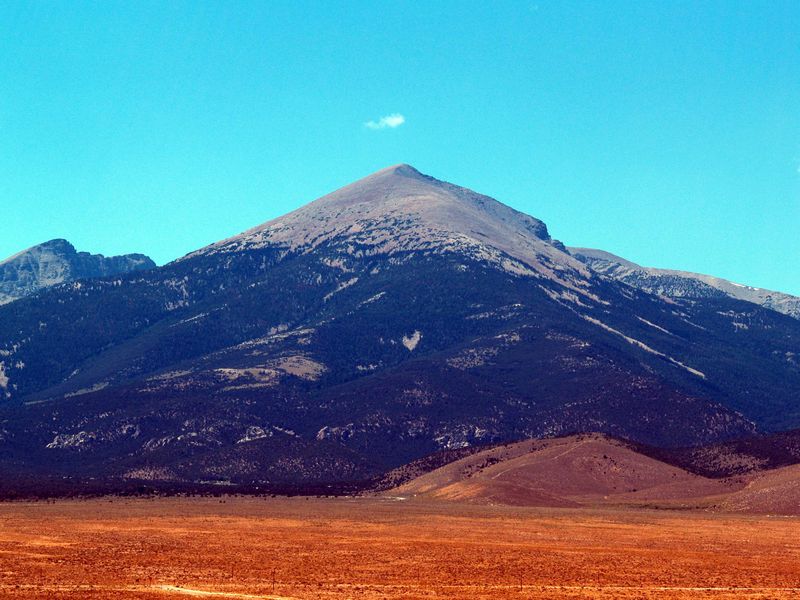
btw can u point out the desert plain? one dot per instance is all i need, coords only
(381, 547)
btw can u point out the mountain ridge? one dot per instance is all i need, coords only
(399, 209)
(675, 283)
(57, 261)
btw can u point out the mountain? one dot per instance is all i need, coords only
(596, 470)
(57, 261)
(681, 284)
(394, 318)
(570, 472)
(724, 460)
(399, 210)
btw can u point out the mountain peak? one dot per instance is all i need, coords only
(401, 170)
(387, 186)
(57, 261)
(399, 173)
(399, 209)
(56, 243)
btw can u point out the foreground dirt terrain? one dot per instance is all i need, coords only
(382, 548)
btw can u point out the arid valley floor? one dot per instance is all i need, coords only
(384, 548)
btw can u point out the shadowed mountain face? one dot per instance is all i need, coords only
(736, 457)
(680, 284)
(396, 317)
(56, 262)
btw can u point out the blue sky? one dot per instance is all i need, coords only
(667, 132)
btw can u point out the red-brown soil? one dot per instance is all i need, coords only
(776, 491)
(571, 471)
(375, 548)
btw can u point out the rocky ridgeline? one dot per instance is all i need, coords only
(56, 262)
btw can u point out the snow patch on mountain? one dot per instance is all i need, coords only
(643, 346)
(72, 440)
(654, 326)
(4, 380)
(410, 342)
(253, 433)
(480, 356)
(342, 286)
(88, 390)
(269, 374)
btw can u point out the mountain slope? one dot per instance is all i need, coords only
(772, 492)
(681, 284)
(735, 457)
(57, 261)
(398, 209)
(572, 471)
(595, 470)
(393, 318)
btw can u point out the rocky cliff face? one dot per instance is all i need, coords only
(56, 262)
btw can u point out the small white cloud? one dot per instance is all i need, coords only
(391, 121)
